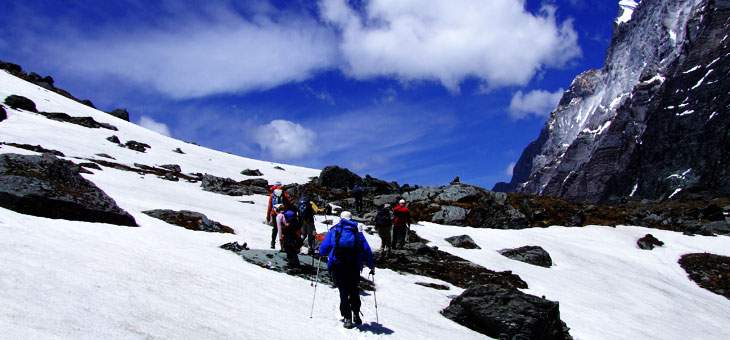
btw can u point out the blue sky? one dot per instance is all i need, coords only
(413, 91)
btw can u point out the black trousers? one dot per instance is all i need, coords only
(291, 246)
(399, 236)
(347, 277)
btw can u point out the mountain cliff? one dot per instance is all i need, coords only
(652, 122)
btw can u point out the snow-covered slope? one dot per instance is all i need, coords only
(78, 280)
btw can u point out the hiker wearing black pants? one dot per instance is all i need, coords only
(401, 225)
(345, 246)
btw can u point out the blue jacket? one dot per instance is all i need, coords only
(328, 246)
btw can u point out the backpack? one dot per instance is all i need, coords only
(277, 199)
(305, 209)
(382, 218)
(347, 243)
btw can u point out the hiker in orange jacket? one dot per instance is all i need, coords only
(278, 196)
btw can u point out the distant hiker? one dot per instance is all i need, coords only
(345, 245)
(357, 193)
(383, 222)
(401, 225)
(290, 227)
(278, 196)
(307, 209)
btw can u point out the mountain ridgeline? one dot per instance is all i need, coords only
(653, 122)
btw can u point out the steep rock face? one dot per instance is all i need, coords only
(653, 120)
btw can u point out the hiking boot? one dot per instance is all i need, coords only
(356, 319)
(348, 323)
(272, 245)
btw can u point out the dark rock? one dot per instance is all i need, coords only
(10, 67)
(88, 103)
(534, 255)
(36, 148)
(90, 165)
(137, 146)
(177, 150)
(717, 227)
(433, 285)
(249, 172)
(189, 220)
(463, 241)
(3, 114)
(120, 113)
(170, 177)
(20, 103)
(713, 213)
(456, 180)
(279, 168)
(50, 187)
(709, 271)
(335, 177)
(504, 313)
(450, 215)
(235, 247)
(114, 139)
(648, 242)
(82, 121)
(171, 167)
(225, 186)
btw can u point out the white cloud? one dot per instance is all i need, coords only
(537, 102)
(510, 169)
(150, 124)
(285, 140)
(497, 41)
(196, 57)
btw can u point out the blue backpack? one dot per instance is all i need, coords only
(305, 209)
(347, 243)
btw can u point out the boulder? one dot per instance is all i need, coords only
(450, 215)
(189, 220)
(20, 103)
(50, 187)
(504, 313)
(114, 139)
(171, 167)
(120, 113)
(458, 193)
(137, 146)
(225, 186)
(335, 177)
(249, 172)
(177, 150)
(534, 255)
(648, 242)
(715, 228)
(463, 241)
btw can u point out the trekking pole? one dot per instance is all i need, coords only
(376, 300)
(315, 287)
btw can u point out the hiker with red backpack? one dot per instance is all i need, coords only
(401, 225)
(345, 246)
(278, 196)
(289, 228)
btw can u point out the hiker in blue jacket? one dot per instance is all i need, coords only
(345, 245)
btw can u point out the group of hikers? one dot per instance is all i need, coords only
(344, 245)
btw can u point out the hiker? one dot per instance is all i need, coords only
(357, 193)
(278, 196)
(345, 246)
(289, 227)
(383, 222)
(401, 225)
(307, 209)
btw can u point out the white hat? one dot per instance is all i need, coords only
(346, 215)
(402, 202)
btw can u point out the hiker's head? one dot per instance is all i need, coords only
(402, 202)
(346, 215)
(277, 192)
(278, 183)
(279, 207)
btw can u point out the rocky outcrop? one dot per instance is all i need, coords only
(137, 146)
(81, 121)
(662, 91)
(50, 187)
(709, 271)
(20, 103)
(189, 220)
(533, 255)
(463, 241)
(335, 177)
(648, 242)
(120, 113)
(249, 172)
(504, 313)
(230, 187)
